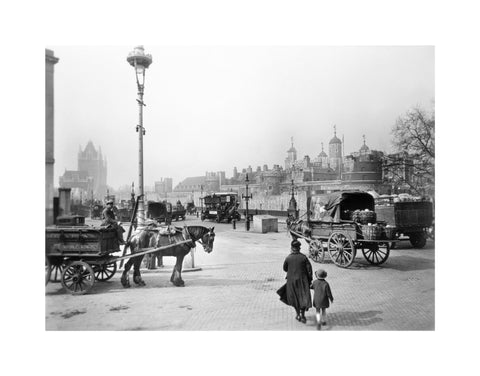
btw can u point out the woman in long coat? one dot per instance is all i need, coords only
(299, 278)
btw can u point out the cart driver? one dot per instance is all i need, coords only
(108, 217)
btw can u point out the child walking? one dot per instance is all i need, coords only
(322, 296)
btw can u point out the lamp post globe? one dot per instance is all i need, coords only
(140, 61)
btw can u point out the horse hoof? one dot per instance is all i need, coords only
(139, 281)
(125, 284)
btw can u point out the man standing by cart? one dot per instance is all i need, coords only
(109, 219)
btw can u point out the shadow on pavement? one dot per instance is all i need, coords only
(346, 318)
(408, 263)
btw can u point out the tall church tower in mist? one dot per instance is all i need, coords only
(93, 162)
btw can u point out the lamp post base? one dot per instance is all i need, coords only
(140, 215)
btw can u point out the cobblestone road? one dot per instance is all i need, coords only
(235, 290)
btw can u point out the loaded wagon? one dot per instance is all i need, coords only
(342, 223)
(84, 254)
(165, 212)
(411, 219)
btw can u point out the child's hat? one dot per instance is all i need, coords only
(295, 244)
(320, 273)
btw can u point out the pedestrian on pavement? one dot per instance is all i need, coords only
(299, 278)
(322, 296)
(109, 219)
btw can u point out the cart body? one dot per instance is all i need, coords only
(413, 219)
(341, 223)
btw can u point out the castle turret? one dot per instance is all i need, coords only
(335, 151)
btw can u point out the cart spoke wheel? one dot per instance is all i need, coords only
(341, 249)
(376, 254)
(316, 251)
(78, 278)
(48, 270)
(56, 274)
(105, 271)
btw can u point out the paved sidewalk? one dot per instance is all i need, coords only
(235, 290)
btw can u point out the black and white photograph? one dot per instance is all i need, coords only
(240, 188)
(261, 188)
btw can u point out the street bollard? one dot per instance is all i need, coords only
(247, 224)
(234, 224)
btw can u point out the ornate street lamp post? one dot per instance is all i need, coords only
(140, 61)
(292, 205)
(247, 197)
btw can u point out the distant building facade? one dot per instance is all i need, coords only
(90, 178)
(360, 170)
(195, 184)
(164, 185)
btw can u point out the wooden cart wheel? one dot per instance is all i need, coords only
(341, 249)
(48, 270)
(376, 254)
(105, 271)
(56, 272)
(418, 240)
(78, 278)
(316, 251)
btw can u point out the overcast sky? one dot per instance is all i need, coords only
(214, 108)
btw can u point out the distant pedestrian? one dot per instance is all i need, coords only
(322, 296)
(296, 292)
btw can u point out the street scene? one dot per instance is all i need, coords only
(234, 288)
(158, 218)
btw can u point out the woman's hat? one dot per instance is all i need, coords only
(295, 244)
(320, 273)
(110, 202)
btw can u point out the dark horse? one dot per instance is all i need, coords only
(298, 226)
(150, 237)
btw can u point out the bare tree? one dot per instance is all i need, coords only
(414, 142)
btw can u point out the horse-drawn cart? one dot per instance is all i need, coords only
(340, 224)
(85, 254)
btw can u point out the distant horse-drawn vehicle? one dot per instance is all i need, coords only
(178, 211)
(191, 209)
(96, 211)
(221, 206)
(165, 212)
(342, 223)
(80, 209)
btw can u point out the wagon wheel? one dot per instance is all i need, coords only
(78, 277)
(317, 253)
(56, 272)
(104, 272)
(48, 270)
(418, 240)
(376, 254)
(341, 249)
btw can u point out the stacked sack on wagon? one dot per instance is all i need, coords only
(371, 229)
